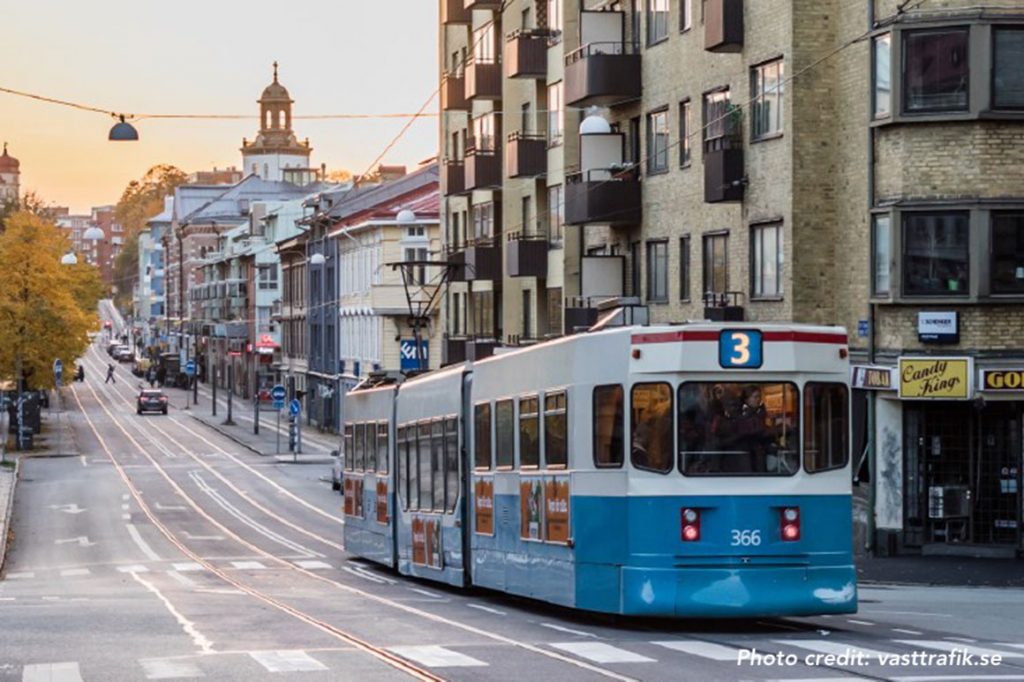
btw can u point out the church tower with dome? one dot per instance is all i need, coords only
(276, 154)
(10, 177)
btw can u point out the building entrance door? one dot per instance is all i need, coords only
(997, 519)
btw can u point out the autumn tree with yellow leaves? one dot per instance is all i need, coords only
(46, 308)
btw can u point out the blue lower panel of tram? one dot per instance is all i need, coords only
(368, 534)
(631, 559)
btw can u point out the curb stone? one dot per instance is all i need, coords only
(5, 523)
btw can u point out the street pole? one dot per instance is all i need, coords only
(231, 391)
(213, 384)
(278, 432)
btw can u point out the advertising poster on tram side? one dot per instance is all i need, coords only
(349, 496)
(556, 509)
(483, 506)
(433, 533)
(357, 493)
(531, 508)
(382, 500)
(419, 542)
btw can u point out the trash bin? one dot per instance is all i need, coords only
(32, 412)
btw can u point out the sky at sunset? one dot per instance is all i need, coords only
(206, 56)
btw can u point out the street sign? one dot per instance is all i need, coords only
(58, 368)
(278, 393)
(407, 353)
(190, 368)
(278, 404)
(294, 407)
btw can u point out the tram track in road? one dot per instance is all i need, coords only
(297, 570)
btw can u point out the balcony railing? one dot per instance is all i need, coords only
(453, 93)
(481, 4)
(723, 25)
(526, 255)
(580, 314)
(482, 260)
(483, 169)
(526, 54)
(608, 195)
(483, 80)
(455, 12)
(453, 177)
(526, 155)
(723, 306)
(602, 74)
(724, 178)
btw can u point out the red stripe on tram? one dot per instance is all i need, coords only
(806, 337)
(672, 337)
(769, 337)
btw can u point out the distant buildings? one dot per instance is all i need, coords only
(10, 177)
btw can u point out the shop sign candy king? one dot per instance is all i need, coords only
(938, 378)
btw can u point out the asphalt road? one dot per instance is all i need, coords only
(165, 551)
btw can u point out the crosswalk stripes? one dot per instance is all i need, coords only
(248, 565)
(187, 566)
(312, 565)
(598, 652)
(74, 572)
(51, 672)
(134, 568)
(715, 652)
(169, 668)
(969, 648)
(287, 661)
(836, 648)
(434, 656)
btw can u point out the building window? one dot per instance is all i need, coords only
(883, 75)
(483, 133)
(657, 271)
(555, 15)
(881, 249)
(935, 254)
(766, 254)
(267, 275)
(657, 141)
(609, 425)
(685, 15)
(556, 114)
(716, 264)
(483, 221)
(1007, 72)
(684, 268)
(1008, 253)
(684, 133)
(484, 43)
(417, 273)
(766, 85)
(719, 123)
(657, 21)
(935, 70)
(556, 214)
(555, 430)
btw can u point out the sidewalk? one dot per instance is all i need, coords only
(940, 570)
(266, 443)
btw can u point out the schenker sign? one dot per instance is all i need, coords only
(935, 378)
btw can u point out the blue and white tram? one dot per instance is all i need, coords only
(700, 470)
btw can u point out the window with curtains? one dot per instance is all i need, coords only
(716, 263)
(1008, 68)
(556, 114)
(882, 105)
(657, 141)
(684, 133)
(657, 271)
(766, 85)
(657, 21)
(935, 70)
(766, 255)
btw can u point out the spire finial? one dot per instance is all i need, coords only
(5, 149)
(275, 71)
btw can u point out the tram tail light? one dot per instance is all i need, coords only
(689, 524)
(790, 524)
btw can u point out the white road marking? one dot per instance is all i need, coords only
(187, 566)
(832, 647)
(202, 537)
(72, 508)
(287, 661)
(205, 645)
(966, 640)
(364, 576)
(134, 568)
(716, 652)
(949, 646)
(141, 544)
(23, 575)
(219, 590)
(7, 598)
(370, 574)
(488, 609)
(907, 632)
(183, 580)
(125, 497)
(85, 462)
(599, 652)
(562, 628)
(859, 622)
(126, 517)
(124, 507)
(169, 668)
(312, 565)
(248, 565)
(51, 672)
(72, 572)
(434, 656)
(172, 507)
(426, 593)
(82, 540)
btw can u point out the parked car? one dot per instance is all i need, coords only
(336, 471)
(124, 354)
(151, 400)
(112, 347)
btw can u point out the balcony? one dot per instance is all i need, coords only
(723, 25)
(453, 93)
(580, 314)
(454, 350)
(724, 178)
(608, 196)
(453, 177)
(480, 348)
(602, 74)
(482, 261)
(483, 169)
(526, 54)
(483, 80)
(723, 306)
(481, 4)
(455, 12)
(526, 155)
(526, 255)
(461, 348)
(457, 262)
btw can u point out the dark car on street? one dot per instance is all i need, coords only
(151, 400)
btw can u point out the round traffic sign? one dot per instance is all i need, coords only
(278, 393)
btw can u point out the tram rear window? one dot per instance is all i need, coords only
(826, 427)
(738, 429)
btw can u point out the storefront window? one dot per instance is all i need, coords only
(732, 429)
(609, 425)
(826, 427)
(650, 426)
(1008, 253)
(935, 254)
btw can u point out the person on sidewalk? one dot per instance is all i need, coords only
(80, 374)
(110, 374)
(151, 376)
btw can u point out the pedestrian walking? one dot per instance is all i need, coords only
(80, 375)
(151, 375)
(110, 374)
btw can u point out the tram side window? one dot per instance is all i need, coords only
(371, 447)
(401, 453)
(555, 452)
(651, 427)
(609, 425)
(482, 436)
(826, 427)
(360, 446)
(382, 447)
(423, 470)
(505, 427)
(734, 429)
(451, 463)
(349, 453)
(529, 432)
(437, 465)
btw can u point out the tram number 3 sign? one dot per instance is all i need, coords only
(745, 538)
(740, 349)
